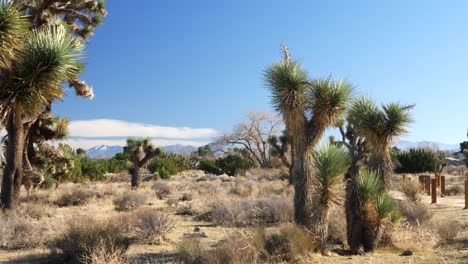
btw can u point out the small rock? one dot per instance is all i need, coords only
(407, 253)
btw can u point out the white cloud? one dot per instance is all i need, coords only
(119, 128)
(89, 143)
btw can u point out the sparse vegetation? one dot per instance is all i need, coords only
(130, 200)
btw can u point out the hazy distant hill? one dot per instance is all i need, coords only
(104, 151)
(405, 145)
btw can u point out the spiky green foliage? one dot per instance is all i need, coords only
(49, 58)
(369, 185)
(13, 27)
(287, 81)
(331, 162)
(380, 125)
(385, 205)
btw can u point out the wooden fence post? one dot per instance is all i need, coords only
(404, 177)
(434, 191)
(442, 186)
(466, 193)
(427, 182)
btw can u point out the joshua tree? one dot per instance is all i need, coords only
(308, 107)
(38, 55)
(140, 152)
(280, 147)
(330, 162)
(380, 127)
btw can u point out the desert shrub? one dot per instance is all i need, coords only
(209, 166)
(162, 189)
(290, 242)
(251, 212)
(245, 189)
(267, 174)
(411, 190)
(74, 197)
(48, 183)
(38, 197)
(130, 200)
(119, 177)
(19, 233)
(447, 230)
(87, 239)
(152, 226)
(163, 167)
(35, 211)
(233, 164)
(414, 213)
(454, 190)
(416, 161)
(237, 249)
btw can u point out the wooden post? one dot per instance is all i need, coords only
(421, 179)
(442, 186)
(466, 193)
(427, 183)
(438, 179)
(434, 191)
(404, 177)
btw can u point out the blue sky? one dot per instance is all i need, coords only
(199, 64)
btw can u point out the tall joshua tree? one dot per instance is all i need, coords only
(40, 51)
(140, 151)
(380, 126)
(308, 107)
(49, 57)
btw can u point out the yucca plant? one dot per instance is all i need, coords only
(308, 107)
(381, 127)
(140, 151)
(377, 207)
(331, 162)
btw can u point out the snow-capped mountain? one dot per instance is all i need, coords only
(104, 151)
(405, 145)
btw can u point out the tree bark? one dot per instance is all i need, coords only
(381, 162)
(302, 178)
(354, 225)
(136, 178)
(13, 172)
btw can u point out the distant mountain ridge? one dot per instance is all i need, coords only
(405, 145)
(104, 151)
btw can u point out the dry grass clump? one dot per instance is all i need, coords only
(245, 188)
(119, 177)
(286, 245)
(447, 230)
(337, 226)
(454, 190)
(152, 226)
(267, 174)
(38, 197)
(412, 237)
(270, 210)
(237, 249)
(130, 200)
(186, 197)
(35, 211)
(162, 189)
(19, 233)
(411, 190)
(75, 196)
(415, 213)
(86, 240)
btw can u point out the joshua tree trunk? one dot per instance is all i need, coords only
(135, 177)
(381, 162)
(321, 216)
(302, 179)
(354, 225)
(13, 172)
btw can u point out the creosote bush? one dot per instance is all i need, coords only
(87, 239)
(152, 226)
(162, 189)
(447, 230)
(19, 233)
(130, 200)
(411, 190)
(74, 197)
(415, 213)
(288, 244)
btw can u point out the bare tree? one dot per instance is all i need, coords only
(253, 135)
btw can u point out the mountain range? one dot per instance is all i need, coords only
(104, 151)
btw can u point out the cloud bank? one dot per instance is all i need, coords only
(89, 133)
